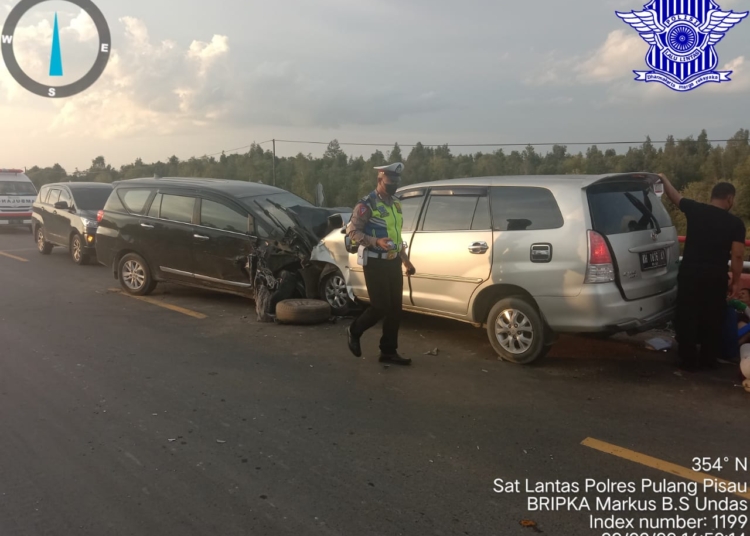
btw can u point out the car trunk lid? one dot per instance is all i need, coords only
(641, 236)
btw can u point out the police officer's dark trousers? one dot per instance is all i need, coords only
(385, 285)
(701, 310)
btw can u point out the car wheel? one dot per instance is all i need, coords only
(516, 331)
(302, 312)
(333, 291)
(45, 248)
(76, 250)
(135, 275)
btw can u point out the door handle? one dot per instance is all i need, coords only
(201, 237)
(478, 248)
(147, 226)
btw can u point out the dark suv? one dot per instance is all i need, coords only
(64, 214)
(226, 235)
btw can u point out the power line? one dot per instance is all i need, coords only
(544, 144)
(639, 142)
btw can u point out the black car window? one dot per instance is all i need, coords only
(522, 208)
(135, 199)
(65, 196)
(450, 211)
(153, 212)
(54, 195)
(618, 208)
(219, 216)
(91, 198)
(43, 193)
(177, 208)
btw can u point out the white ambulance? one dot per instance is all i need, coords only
(17, 193)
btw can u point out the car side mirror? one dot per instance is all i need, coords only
(62, 205)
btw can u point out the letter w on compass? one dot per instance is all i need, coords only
(683, 35)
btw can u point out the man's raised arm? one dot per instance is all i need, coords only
(671, 192)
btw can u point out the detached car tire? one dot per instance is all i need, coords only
(135, 275)
(304, 312)
(517, 332)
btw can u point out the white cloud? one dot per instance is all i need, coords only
(622, 52)
(740, 77)
(83, 27)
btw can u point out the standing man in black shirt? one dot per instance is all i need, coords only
(714, 236)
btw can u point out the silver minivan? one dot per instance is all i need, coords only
(528, 257)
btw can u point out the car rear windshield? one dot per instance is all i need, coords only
(91, 198)
(626, 207)
(16, 188)
(269, 202)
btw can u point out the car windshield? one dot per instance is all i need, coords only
(16, 188)
(269, 202)
(91, 198)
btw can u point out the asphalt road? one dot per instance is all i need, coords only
(123, 417)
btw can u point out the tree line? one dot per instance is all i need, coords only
(693, 163)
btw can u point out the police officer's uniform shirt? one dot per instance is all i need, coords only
(361, 217)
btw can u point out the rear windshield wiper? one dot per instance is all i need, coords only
(644, 210)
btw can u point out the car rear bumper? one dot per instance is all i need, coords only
(601, 308)
(15, 219)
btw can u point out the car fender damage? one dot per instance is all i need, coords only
(281, 267)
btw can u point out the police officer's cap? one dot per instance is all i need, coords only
(393, 170)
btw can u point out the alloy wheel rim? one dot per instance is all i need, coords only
(336, 293)
(133, 275)
(76, 249)
(40, 239)
(514, 331)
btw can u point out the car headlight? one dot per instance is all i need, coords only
(88, 223)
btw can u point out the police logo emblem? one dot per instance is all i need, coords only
(683, 35)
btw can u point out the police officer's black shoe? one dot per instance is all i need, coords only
(353, 342)
(394, 359)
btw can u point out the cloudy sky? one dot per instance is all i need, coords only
(190, 77)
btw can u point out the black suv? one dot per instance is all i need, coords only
(64, 214)
(225, 235)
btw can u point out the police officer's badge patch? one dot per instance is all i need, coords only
(683, 35)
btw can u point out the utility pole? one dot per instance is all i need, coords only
(274, 162)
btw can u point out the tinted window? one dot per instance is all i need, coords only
(16, 188)
(91, 198)
(54, 195)
(410, 211)
(451, 211)
(155, 206)
(222, 217)
(135, 200)
(482, 219)
(625, 208)
(177, 208)
(519, 208)
(65, 196)
(43, 193)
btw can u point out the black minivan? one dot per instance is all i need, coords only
(199, 232)
(64, 214)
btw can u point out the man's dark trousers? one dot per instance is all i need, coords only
(701, 310)
(385, 286)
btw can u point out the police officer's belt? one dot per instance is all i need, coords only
(389, 255)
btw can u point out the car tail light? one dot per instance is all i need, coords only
(600, 267)
(99, 216)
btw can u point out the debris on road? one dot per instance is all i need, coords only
(171, 440)
(529, 524)
(220, 441)
(659, 344)
(434, 351)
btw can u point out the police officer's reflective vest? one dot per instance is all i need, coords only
(385, 221)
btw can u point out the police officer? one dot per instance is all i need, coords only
(376, 227)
